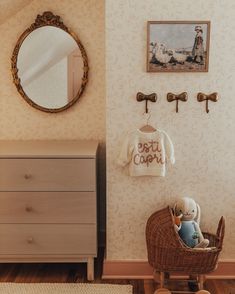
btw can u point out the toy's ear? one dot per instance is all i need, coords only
(175, 208)
(198, 216)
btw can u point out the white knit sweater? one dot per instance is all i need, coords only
(146, 153)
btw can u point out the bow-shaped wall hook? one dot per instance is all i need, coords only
(182, 97)
(203, 97)
(142, 97)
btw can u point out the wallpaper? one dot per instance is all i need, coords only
(86, 118)
(204, 143)
(10, 7)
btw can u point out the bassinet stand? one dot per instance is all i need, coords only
(168, 254)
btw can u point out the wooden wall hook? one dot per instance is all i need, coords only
(173, 97)
(203, 97)
(142, 97)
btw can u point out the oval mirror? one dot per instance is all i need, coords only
(49, 65)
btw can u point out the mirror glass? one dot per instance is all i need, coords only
(49, 65)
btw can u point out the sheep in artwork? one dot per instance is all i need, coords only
(160, 54)
(178, 57)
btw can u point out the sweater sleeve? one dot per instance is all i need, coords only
(170, 154)
(125, 152)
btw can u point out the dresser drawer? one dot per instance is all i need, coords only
(47, 174)
(19, 239)
(47, 207)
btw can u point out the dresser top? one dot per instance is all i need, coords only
(48, 149)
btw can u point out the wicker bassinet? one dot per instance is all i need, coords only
(168, 253)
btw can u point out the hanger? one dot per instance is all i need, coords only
(147, 128)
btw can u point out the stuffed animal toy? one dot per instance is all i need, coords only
(189, 228)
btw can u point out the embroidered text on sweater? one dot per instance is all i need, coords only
(146, 153)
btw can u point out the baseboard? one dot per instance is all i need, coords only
(140, 269)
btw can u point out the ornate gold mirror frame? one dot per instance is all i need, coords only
(48, 19)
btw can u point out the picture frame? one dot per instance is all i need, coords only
(178, 46)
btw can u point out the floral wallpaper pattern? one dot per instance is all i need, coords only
(86, 118)
(204, 143)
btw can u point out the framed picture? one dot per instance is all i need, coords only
(178, 46)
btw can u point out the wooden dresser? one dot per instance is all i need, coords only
(48, 210)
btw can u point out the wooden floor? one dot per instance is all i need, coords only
(76, 273)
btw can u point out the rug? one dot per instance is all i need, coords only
(62, 288)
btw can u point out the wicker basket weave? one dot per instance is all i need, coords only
(168, 253)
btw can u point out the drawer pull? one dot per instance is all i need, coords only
(29, 208)
(27, 176)
(30, 240)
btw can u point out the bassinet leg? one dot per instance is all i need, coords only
(201, 280)
(156, 276)
(162, 279)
